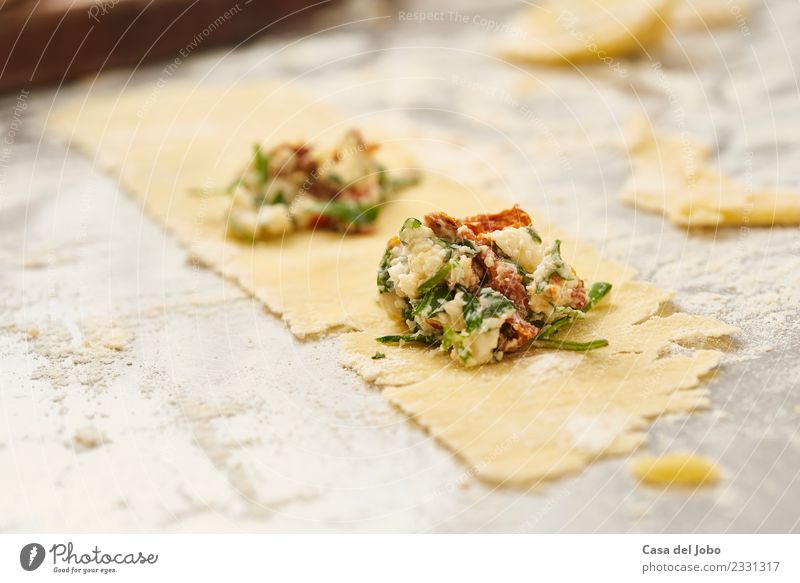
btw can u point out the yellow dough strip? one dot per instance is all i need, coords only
(679, 469)
(529, 418)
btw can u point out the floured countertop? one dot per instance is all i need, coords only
(142, 393)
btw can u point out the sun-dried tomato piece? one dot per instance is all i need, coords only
(503, 277)
(321, 190)
(515, 334)
(434, 324)
(513, 217)
(443, 225)
(305, 159)
(321, 222)
(579, 297)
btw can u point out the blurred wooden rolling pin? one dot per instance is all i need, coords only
(44, 41)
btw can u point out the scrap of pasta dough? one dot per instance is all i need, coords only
(577, 31)
(673, 175)
(525, 419)
(702, 14)
(676, 469)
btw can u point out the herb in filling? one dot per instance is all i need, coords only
(482, 287)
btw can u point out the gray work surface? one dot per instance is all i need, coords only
(213, 417)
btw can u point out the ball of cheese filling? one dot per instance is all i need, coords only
(520, 244)
(421, 258)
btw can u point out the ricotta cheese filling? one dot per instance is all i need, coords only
(481, 287)
(294, 186)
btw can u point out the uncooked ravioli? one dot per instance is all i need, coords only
(519, 421)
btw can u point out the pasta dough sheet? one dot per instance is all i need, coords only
(599, 31)
(705, 14)
(532, 417)
(673, 175)
(567, 32)
(548, 413)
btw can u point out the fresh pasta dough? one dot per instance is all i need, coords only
(705, 14)
(673, 175)
(602, 31)
(678, 469)
(584, 31)
(528, 418)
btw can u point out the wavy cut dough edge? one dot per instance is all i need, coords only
(518, 422)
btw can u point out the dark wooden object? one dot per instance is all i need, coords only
(49, 41)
